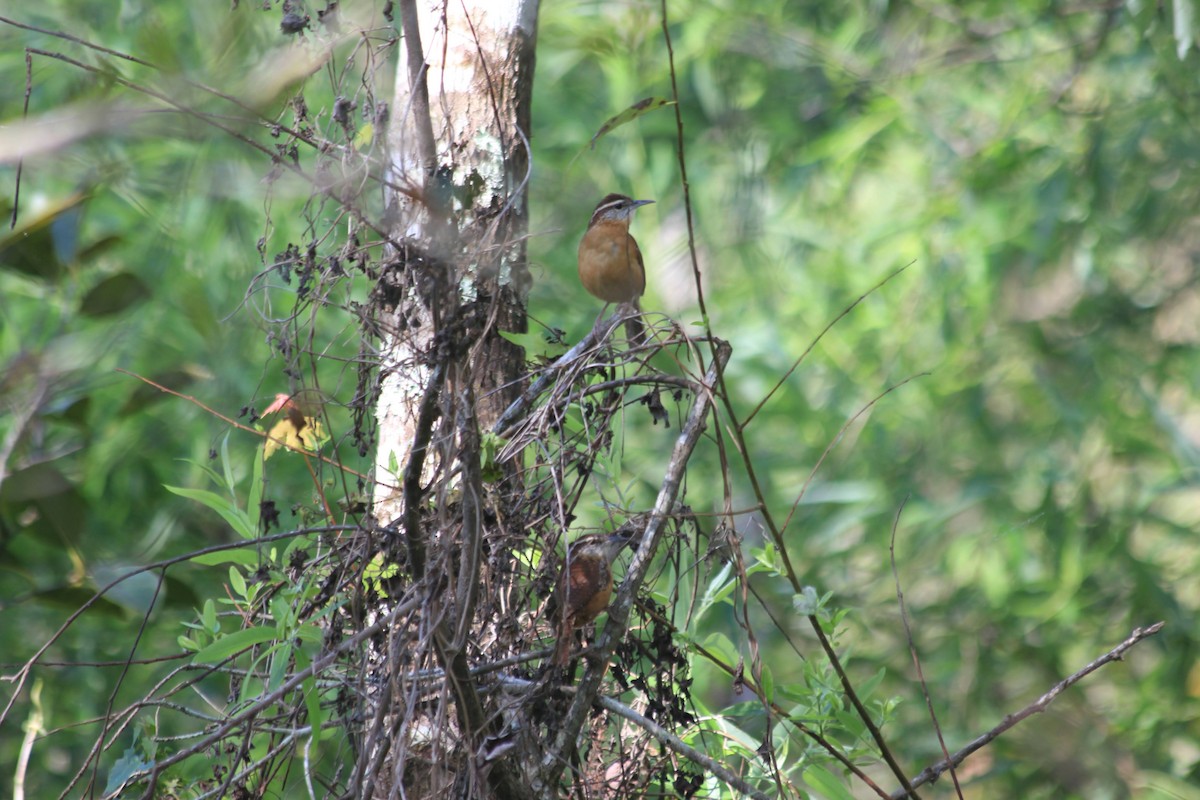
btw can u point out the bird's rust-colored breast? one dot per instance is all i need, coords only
(589, 588)
(610, 263)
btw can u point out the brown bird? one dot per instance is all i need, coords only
(585, 585)
(610, 262)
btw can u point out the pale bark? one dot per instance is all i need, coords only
(469, 138)
(456, 276)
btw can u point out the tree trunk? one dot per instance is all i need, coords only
(455, 276)
(460, 159)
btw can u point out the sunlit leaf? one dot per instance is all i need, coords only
(41, 246)
(364, 136)
(299, 430)
(636, 110)
(234, 643)
(285, 433)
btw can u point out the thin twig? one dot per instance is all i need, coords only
(795, 364)
(683, 178)
(932, 773)
(812, 474)
(21, 675)
(518, 408)
(16, 209)
(912, 649)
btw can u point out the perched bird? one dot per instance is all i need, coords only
(610, 262)
(585, 585)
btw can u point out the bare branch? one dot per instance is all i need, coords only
(932, 773)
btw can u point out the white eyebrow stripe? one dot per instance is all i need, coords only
(603, 207)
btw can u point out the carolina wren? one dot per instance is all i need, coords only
(610, 262)
(585, 585)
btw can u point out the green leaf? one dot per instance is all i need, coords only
(247, 557)
(254, 500)
(378, 571)
(283, 614)
(806, 603)
(227, 464)
(131, 762)
(364, 136)
(237, 582)
(236, 518)
(720, 588)
(795, 692)
(312, 701)
(281, 660)
(208, 617)
(736, 735)
(234, 643)
(42, 246)
(309, 634)
(536, 344)
(719, 644)
(828, 785)
(490, 445)
(768, 684)
(868, 687)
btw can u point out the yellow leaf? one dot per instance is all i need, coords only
(364, 136)
(306, 439)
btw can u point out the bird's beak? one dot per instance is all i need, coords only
(637, 203)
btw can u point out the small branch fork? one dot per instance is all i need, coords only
(519, 407)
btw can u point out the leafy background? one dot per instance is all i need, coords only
(1031, 166)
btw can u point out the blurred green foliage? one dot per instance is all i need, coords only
(1033, 165)
(145, 251)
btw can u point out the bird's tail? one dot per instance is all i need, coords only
(562, 652)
